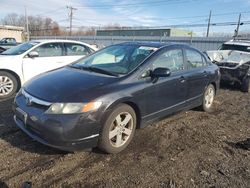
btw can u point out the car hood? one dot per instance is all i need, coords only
(4, 58)
(10, 62)
(68, 85)
(229, 56)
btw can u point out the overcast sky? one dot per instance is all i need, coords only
(135, 12)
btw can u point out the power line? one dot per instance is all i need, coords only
(247, 22)
(51, 11)
(155, 3)
(172, 18)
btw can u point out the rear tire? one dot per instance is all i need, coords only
(208, 99)
(245, 86)
(118, 130)
(8, 85)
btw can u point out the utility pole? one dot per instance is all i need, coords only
(71, 9)
(238, 27)
(27, 25)
(209, 23)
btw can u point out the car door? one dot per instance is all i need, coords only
(197, 77)
(167, 94)
(50, 56)
(75, 51)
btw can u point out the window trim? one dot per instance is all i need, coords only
(206, 64)
(62, 46)
(164, 50)
(66, 52)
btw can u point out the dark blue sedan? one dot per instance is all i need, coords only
(101, 99)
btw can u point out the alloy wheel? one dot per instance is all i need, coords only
(6, 85)
(121, 129)
(209, 97)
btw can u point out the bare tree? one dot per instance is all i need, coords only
(37, 25)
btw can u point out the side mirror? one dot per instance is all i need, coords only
(33, 54)
(160, 72)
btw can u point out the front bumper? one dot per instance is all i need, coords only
(234, 74)
(69, 132)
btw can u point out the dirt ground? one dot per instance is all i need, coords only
(190, 149)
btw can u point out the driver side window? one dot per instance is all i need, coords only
(171, 59)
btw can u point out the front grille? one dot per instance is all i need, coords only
(33, 101)
(231, 65)
(28, 125)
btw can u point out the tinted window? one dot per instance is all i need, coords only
(10, 40)
(17, 50)
(171, 59)
(76, 49)
(235, 47)
(120, 59)
(50, 50)
(195, 59)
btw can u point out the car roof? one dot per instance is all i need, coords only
(149, 44)
(54, 40)
(62, 40)
(239, 42)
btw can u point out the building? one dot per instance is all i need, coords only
(144, 32)
(12, 32)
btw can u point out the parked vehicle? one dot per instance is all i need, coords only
(2, 49)
(21, 63)
(233, 58)
(7, 43)
(101, 99)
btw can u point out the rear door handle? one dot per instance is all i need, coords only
(205, 73)
(182, 79)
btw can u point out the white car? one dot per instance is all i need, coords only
(20, 63)
(233, 59)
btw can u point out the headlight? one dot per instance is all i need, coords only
(73, 108)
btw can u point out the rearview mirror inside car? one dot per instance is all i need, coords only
(33, 54)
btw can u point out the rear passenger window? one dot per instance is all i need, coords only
(50, 50)
(195, 59)
(171, 59)
(76, 49)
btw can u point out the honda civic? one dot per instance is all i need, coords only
(100, 100)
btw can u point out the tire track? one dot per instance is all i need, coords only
(85, 163)
(39, 163)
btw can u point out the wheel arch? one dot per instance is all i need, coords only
(215, 86)
(128, 102)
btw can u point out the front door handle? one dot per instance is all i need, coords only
(182, 79)
(205, 73)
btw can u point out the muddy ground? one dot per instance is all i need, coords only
(190, 149)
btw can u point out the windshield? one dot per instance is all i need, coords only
(235, 47)
(17, 50)
(117, 59)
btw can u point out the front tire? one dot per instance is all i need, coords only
(118, 130)
(8, 85)
(245, 87)
(208, 98)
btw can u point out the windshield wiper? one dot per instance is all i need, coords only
(74, 66)
(94, 69)
(99, 70)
